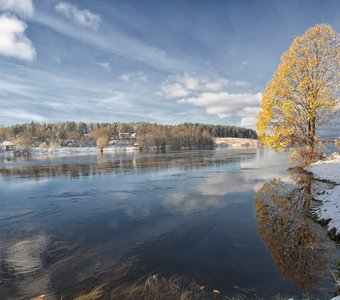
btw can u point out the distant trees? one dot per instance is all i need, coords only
(304, 92)
(174, 137)
(186, 135)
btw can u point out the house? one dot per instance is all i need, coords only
(127, 136)
(6, 146)
(69, 143)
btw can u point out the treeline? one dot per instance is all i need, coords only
(174, 137)
(147, 134)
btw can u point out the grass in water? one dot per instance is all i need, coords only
(95, 294)
(154, 287)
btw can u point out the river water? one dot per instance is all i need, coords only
(213, 217)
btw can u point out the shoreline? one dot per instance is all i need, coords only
(328, 211)
(233, 143)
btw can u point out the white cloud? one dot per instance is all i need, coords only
(81, 17)
(133, 76)
(249, 115)
(248, 122)
(211, 94)
(185, 85)
(13, 41)
(175, 90)
(22, 7)
(105, 65)
(226, 104)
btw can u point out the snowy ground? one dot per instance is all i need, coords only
(81, 150)
(326, 170)
(330, 199)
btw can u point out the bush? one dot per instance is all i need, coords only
(304, 155)
(102, 142)
(43, 147)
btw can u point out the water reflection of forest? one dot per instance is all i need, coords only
(301, 248)
(111, 165)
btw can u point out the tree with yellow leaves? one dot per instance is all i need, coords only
(102, 142)
(304, 92)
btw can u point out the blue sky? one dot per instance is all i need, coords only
(158, 61)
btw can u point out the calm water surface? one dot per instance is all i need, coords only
(216, 217)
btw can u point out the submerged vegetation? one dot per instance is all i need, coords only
(173, 288)
(157, 287)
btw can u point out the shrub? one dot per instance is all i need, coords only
(304, 155)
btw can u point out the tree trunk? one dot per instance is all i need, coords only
(311, 133)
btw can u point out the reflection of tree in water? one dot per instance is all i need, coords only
(301, 249)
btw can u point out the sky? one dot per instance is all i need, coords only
(159, 61)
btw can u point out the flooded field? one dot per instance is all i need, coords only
(216, 218)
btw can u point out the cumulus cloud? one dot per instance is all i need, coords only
(248, 122)
(175, 90)
(211, 94)
(13, 41)
(249, 114)
(184, 85)
(105, 65)
(226, 104)
(23, 8)
(81, 17)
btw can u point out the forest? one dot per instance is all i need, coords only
(191, 135)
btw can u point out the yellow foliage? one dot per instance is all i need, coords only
(102, 142)
(304, 92)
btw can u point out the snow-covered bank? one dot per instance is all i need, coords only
(66, 151)
(326, 169)
(330, 198)
(63, 152)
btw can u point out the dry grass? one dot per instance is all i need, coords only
(154, 287)
(173, 288)
(94, 294)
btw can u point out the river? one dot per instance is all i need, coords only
(213, 217)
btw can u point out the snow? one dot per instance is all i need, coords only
(330, 198)
(81, 150)
(336, 298)
(6, 143)
(327, 169)
(330, 207)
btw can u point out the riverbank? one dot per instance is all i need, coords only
(235, 142)
(329, 197)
